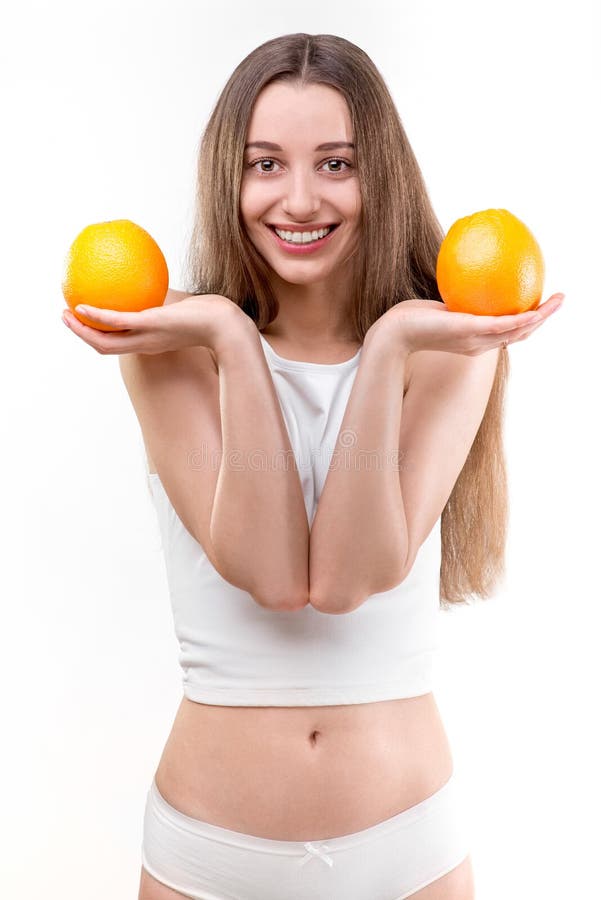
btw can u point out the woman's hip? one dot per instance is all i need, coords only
(389, 860)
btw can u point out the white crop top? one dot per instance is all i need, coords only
(234, 652)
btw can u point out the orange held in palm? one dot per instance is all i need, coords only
(114, 265)
(490, 264)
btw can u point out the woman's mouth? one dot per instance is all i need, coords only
(305, 241)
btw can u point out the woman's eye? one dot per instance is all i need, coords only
(339, 162)
(258, 165)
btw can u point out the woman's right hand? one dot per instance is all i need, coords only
(197, 320)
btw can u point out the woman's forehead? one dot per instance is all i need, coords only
(283, 110)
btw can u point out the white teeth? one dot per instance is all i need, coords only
(302, 237)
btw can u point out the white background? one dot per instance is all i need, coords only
(103, 108)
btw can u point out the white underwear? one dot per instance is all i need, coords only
(388, 861)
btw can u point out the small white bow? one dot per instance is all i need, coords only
(312, 850)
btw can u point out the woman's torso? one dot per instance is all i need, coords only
(303, 773)
(308, 772)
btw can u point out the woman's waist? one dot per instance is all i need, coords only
(242, 767)
(402, 719)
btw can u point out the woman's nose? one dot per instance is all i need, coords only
(300, 200)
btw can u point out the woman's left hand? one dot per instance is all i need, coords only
(414, 325)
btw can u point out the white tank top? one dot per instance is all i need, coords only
(234, 652)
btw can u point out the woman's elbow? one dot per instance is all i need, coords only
(286, 600)
(336, 603)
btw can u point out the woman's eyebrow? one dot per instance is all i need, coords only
(331, 145)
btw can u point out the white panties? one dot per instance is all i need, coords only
(388, 861)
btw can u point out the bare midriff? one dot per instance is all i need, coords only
(303, 773)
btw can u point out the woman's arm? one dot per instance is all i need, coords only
(358, 540)
(259, 532)
(377, 505)
(259, 526)
(250, 514)
(174, 296)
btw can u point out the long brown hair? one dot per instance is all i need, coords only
(401, 237)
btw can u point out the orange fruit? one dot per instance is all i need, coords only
(114, 265)
(490, 264)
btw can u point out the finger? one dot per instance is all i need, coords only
(479, 326)
(503, 325)
(519, 334)
(87, 334)
(114, 318)
(102, 341)
(500, 341)
(515, 334)
(76, 325)
(524, 336)
(547, 308)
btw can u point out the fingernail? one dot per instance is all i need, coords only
(81, 309)
(66, 321)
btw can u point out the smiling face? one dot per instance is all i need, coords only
(303, 184)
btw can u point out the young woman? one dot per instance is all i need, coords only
(313, 360)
